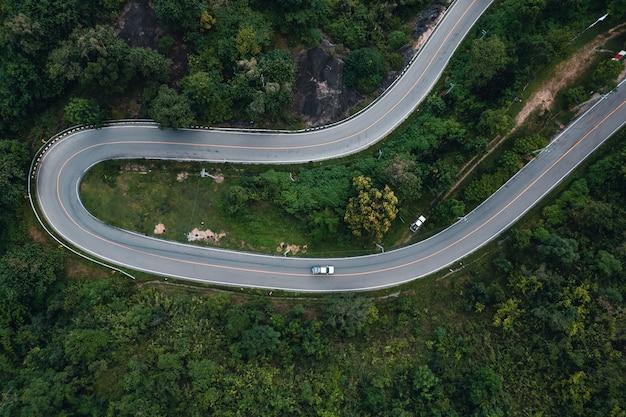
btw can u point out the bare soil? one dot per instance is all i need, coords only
(291, 249)
(37, 235)
(205, 235)
(565, 73)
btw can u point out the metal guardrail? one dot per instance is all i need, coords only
(32, 176)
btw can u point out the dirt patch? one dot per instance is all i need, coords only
(543, 99)
(291, 249)
(205, 235)
(182, 176)
(425, 24)
(141, 169)
(38, 236)
(423, 27)
(565, 73)
(159, 229)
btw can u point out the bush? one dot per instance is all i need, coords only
(80, 111)
(365, 69)
(606, 73)
(397, 39)
(574, 96)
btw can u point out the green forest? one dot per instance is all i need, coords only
(533, 325)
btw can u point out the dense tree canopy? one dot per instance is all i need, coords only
(103, 347)
(80, 111)
(617, 8)
(300, 18)
(209, 96)
(14, 160)
(99, 60)
(372, 210)
(487, 57)
(179, 15)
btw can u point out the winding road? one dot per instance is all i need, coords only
(58, 169)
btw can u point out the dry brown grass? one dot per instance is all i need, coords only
(564, 74)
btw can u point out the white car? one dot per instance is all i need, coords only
(323, 270)
(417, 224)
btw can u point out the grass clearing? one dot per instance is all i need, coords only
(139, 195)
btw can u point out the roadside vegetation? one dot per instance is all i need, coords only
(534, 325)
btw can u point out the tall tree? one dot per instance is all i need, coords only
(372, 210)
(239, 32)
(178, 15)
(20, 87)
(13, 161)
(617, 8)
(300, 17)
(405, 176)
(209, 97)
(100, 61)
(496, 122)
(26, 275)
(606, 73)
(169, 109)
(80, 111)
(483, 386)
(487, 57)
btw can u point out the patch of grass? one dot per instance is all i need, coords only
(138, 195)
(265, 228)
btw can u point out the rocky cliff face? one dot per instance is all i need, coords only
(320, 95)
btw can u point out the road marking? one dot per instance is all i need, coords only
(499, 212)
(406, 264)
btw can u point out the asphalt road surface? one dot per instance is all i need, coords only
(58, 170)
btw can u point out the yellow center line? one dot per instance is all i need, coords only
(413, 262)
